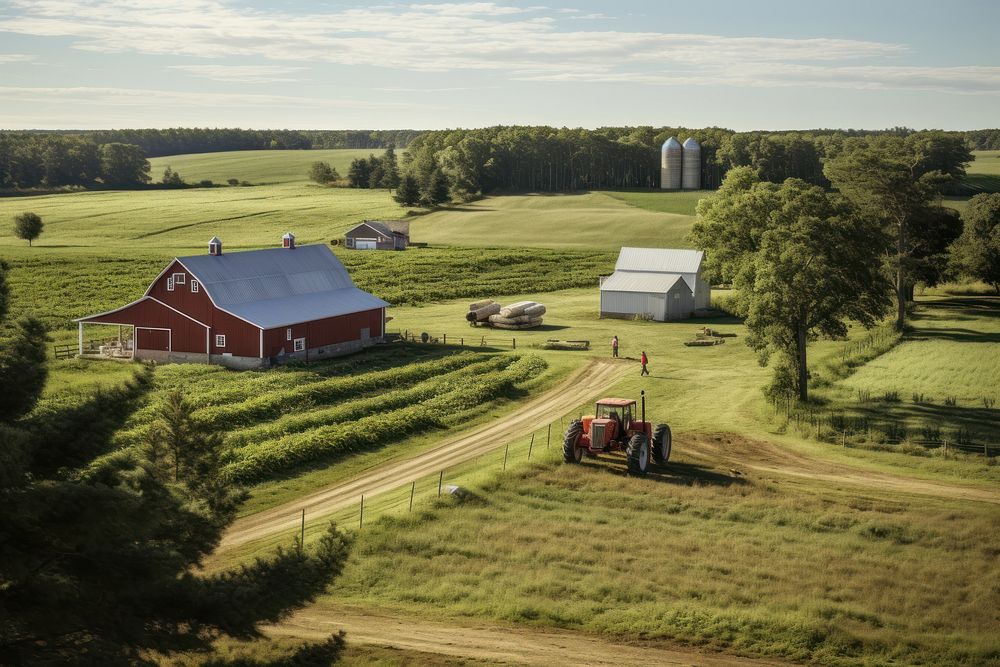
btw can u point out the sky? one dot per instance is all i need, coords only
(74, 64)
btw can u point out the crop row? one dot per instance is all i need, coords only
(362, 407)
(264, 459)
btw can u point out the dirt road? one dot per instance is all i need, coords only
(505, 644)
(585, 384)
(728, 449)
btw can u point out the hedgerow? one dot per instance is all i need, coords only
(268, 458)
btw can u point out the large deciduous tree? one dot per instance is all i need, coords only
(28, 226)
(801, 262)
(123, 164)
(976, 254)
(897, 183)
(322, 173)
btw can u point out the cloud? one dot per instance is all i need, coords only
(522, 43)
(240, 73)
(6, 58)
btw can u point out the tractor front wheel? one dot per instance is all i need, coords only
(662, 443)
(638, 454)
(571, 452)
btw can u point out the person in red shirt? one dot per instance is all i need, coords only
(645, 360)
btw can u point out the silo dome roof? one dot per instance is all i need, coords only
(672, 143)
(691, 142)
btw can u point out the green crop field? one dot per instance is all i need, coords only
(267, 167)
(984, 172)
(584, 220)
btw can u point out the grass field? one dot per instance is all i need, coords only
(756, 540)
(257, 167)
(582, 220)
(984, 172)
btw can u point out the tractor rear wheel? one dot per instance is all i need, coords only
(662, 443)
(571, 452)
(638, 454)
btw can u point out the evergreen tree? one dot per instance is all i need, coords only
(408, 193)
(28, 226)
(438, 189)
(390, 170)
(358, 174)
(100, 548)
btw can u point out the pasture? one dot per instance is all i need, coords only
(579, 220)
(256, 167)
(984, 172)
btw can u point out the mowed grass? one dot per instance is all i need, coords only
(984, 172)
(270, 167)
(811, 573)
(241, 217)
(580, 220)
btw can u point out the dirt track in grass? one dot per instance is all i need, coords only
(514, 645)
(745, 456)
(585, 384)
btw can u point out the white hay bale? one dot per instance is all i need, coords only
(535, 311)
(515, 309)
(531, 324)
(484, 313)
(476, 305)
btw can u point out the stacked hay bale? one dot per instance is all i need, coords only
(480, 311)
(520, 315)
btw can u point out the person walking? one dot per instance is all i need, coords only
(614, 347)
(644, 360)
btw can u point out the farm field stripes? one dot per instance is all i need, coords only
(518, 645)
(594, 378)
(264, 459)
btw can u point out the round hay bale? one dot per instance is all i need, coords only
(515, 309)
(476, 305)
(536, 310)
(484, 313)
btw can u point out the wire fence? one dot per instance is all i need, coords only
(543, 444)
(471, 339)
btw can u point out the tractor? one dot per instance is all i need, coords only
(616, 427)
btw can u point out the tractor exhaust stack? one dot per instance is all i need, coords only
(643, 395)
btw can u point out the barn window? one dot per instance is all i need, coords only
(677, 296)
(288, 333)
(300, 344)
(220, 340)
(170, 284)
(180, 278)
(194, 285)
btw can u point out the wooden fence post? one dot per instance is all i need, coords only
(513, 342)
(548, 437)
(413, 489)
(505, 450)
(444, 337)
(531, 445)
(361, 521)
(440, 482)
(946, 449)
(302, 533)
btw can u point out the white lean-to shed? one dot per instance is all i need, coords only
(662, 283)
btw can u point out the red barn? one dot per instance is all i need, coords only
(250, 309)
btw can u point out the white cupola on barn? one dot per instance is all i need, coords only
(214, 246)
(288, 240)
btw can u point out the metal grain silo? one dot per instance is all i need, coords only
(670, 164)
(692, 165)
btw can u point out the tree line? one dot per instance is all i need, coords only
(34, 160)
(805, 260)
(180, 140)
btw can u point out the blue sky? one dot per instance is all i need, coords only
(295, 64)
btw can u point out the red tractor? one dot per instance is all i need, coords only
(616, 427)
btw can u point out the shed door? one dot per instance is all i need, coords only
(152, 339)
(365, 244)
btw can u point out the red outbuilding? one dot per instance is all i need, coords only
(250, 309)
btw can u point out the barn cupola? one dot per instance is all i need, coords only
(288, 240)
(215, 246)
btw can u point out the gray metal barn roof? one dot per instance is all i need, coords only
(641, 281)
(661, 260)
(280, 286)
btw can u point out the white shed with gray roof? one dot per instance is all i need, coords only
(660, 283)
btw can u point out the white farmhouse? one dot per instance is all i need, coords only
(661, 283)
